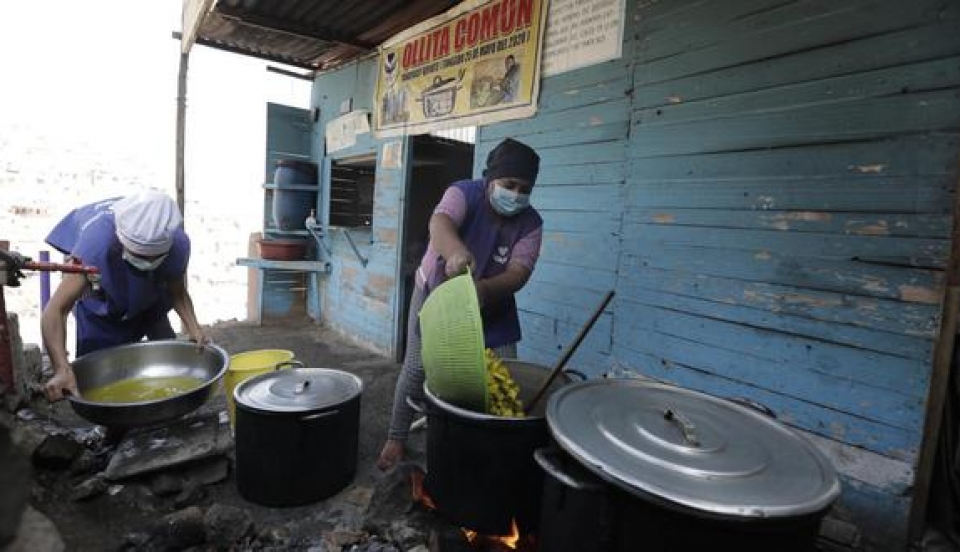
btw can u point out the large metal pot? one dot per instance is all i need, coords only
(668, 468)
(480, 468)
(147, 359)
(297, 435)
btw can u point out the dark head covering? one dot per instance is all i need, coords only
(512, 159)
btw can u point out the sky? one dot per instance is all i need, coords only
(92, 86)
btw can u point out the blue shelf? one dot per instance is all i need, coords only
(303, 233)
(298, 266)
(298, 187)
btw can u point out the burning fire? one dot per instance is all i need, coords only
(419, 494)
(502, 542)
(488, 543)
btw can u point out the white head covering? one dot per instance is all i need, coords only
(146, 222)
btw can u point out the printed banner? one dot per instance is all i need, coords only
(476, 64)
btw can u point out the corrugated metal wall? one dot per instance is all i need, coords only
(768, 187)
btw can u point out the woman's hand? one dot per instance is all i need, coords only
(199, 338)
(459, 262)
(62, 383)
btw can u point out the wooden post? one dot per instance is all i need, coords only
(181, 129)
(939, 379)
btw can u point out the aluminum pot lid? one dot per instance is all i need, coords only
(297, 390)
(691, 451)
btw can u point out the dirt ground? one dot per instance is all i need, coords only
(105, 522)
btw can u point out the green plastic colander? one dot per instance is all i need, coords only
(452, 344)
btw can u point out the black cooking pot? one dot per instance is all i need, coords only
(296, 435)
(661, 468)
(480, 468)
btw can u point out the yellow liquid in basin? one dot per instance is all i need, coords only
(142, 389)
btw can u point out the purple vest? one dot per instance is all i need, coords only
(89, 234)
(490, 238)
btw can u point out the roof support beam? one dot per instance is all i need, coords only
(291, 27)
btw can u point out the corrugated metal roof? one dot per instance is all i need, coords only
(312, 34)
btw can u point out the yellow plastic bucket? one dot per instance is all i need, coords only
(249, 364)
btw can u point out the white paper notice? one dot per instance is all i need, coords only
(342, 132)
(391, 158)
(581, 33)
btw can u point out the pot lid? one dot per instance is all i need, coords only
(297, 390)
(691, 451)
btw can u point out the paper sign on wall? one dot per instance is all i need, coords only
(391, 158)
(581, 33)
(342, 132)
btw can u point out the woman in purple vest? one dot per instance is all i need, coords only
(488, 226)
(139, 245)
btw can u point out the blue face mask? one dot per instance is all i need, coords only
(507, 202)
(140, 263)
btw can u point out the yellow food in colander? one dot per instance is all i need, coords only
(503, 393)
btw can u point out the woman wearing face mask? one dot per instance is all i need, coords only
(139, 245)
(488, 226)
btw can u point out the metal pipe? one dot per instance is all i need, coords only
(61, 267)
(363, 260)
(313, 232)
(44, 281)
(181, 132)
(6, 350)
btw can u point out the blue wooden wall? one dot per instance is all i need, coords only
(360, 301)
(767, 185)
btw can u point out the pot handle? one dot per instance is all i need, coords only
(418, 407)
(286, 363)
(543, 458)
(687, 428)
(577, 373)
(750, 403)
(327, 414)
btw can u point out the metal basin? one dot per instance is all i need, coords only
(147, 359)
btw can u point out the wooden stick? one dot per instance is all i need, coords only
(569, 352)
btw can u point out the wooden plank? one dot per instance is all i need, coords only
(901, 156)
(915, 78)
(906, 251)
(592, 173)
(607, 132)
(865, 468)
(570, 294)
(602, 224)
(908, 195)
(599, 279)
(857, 224)
(896, 344)
(800, 26)
(615, 84)
(918, 321)
(659, 36)
(578, 249)
(886, 50)
(852, 277)
(582, 117)
(848, 120)
(599, 75)
(788, 363)
(837, 425)
(577, 198)
(558, 319)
